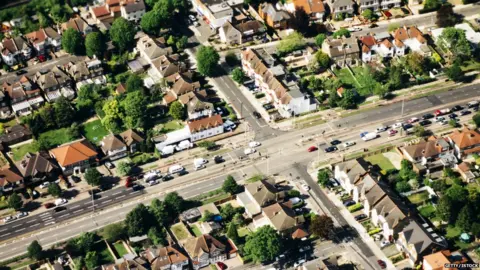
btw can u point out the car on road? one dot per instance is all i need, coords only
(360, 217)
(299, 263)
(44, 184)
(254, 144)
(354, 29)
(305, 187)
(381, 129)
(473, 104)
(440, 119)
(427, 116)
(109, 165)
(218, 159)
(197, 24)
(137, 187)
(257, 114)
(407, 126)
(305, 248)
(382, 264)
(248, 151)
(457, 108)
(413, 120)
(335, 142)
(373, 25)
(106, 186)
(330, 149)
(452, 116)
(49, 205)
(60, 201)
(392, 132)
(312, 148)
(21, 214)
(9, 219)
(153, 182)
(348, 144)
(59, 209)
(385, 243)
(425, 123)
(349, 202)
(465, 112)
(397, 125)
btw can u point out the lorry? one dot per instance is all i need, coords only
(442, 112)
(369, 136)
(175, 169)
(186, 144)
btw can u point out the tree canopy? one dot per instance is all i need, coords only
(134, 107)
(455, 73)
(342, 32)
(114, 232)
(322, 177)
(322, 226)
(72, 41)
(319, 39)
(95, 44)
(35, 250)
(138, 221)
(230, 185)
(446, 16)
(64, 113)
(456, 42)
(176, 110)
(54, 190)
(432, 4)
(93, 177)
(15, 201)
(238, 75)
(207, 60)
(122, 33)
(263, 245)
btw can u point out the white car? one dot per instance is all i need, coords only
(21, 214)
(381, 129)
(109, 165)
(305, 248)
(385, 243)
(60, 201)
(297, 264)
(199, 167)
(249, 151)
(348, 144)
(295, 200)
(44, 184)
(191, 17)
(354, 29)
(397, 125)
(196, 24)
(152, 182)
(440, 119)
(8, 219)
(305, 187)
(254, 144)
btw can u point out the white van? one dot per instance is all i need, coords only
(199, 163)
(175, 169)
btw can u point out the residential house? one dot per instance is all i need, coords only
(78, 24)
(205, 128)
(132, 140)
(315, 9)
(281, 217)
(75, 157)
(373, 50)
(54, 84)
(258, 195)
(152, 48)
(341, 8)
(86, 72)
(343, 51)
(467, 171)
(191, 215)
(229, 34)
(348, 172)
(120, 89)
(5, 111)
(165, 66)
(388, 213)
(285, 95)
(249, 29)
(133, 11)
(35, 167)
(465, 142)
(412, 39)
(438, 260)
(14, 50)
(10, 179)
(426, 151)
(15, 134)
(197, 106)
(24, 95)
(182, 85)
(101, 15)
(418, 240)
(216, 12)
(369, 4)
(113, 147)
(299, 58)
(388, 4)
(277, 19)
(205, 250)
(129, 261)
(166, 258)
(45, 39)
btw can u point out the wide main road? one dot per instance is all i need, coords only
(283, 151)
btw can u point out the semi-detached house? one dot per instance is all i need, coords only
(466, 142)
(24, 95)
(78, 24)
(315, 9)
(205, 250)
(166, 258)
(15, 49)
(44, 39)
(341, 7)
(54, 84)
(258, 195)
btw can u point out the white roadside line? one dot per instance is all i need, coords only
(107, 201)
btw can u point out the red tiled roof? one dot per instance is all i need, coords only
(205, 123)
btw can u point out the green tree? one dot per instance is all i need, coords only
(455, 41)
(91, 260)
(432, 4)
(457, 193)
(35, 250)
(290, 43)
(151, 22)
(393, 26)
(227, 212)
(86, 241)
(453, 123)
(263, 245)
(95, 44)
(174, 203)
(87, 96)
(476, 230)
(79, 263)
(342, 32)
(300, 20)
(182, 43)
(15, 201)
(231, 59)
(134, 106)
(445, 16)
(124, 168)
(396, 78)
(419, 131)
(381, 90)
(58, 14)
(323, 60)
(319, 39)
(54, 190)
(465, 219)
(402, 186)
(348, 100)
(367, 82)
(64, 113)
(238, 219)
(47, 114)
(369, 15)
(322, 177)
(114, 232)
(230, 185)
(207, 60)
(209, 145)
(177, 111)
(476, 119)
(238, 75)
(72, 41)
(455, 73)
(322, 226)
(207, 216)
(415, 62)
(160, 211)
(44, 20)
(112, 117)
(293, 193)
(138, 221)
(157, 236)
(122, 33)
(232, 232)
(444, 209)
(93, 177)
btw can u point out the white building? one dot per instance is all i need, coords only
(14, 49)
(133, 11)
(216, 12)
(205, 127)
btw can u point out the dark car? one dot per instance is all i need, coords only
(349, 202)
(407, 126)
(59, 209)
(94, 191)
(427, 116)
(137, 187)
(184, 172)
(457, 108)
(475, 109)
(76, 179)
(330, 149)
(335, 142)
(382, 264)
(425, 123)
(20, 72)
(268, 106)
(465, 112)
(452, 116)
(49, 205)
(360, 217)
(218, 159)
(257, 115)
(106, 187)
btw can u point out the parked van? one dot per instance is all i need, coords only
(175, 169)
(199, 163)
(472, 104)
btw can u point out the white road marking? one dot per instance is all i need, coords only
(33, 220)
(68, 214)
(34, 225)
(18, 225)
(6, 234)
(49, 223)
(44, 214)
(116, 193)
(75, 206)
(107, 201)
(80, 210)
(19, 230)
(120, 196)
(3, 230)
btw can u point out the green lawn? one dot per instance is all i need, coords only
(470, 66)
(242, 232)
(419, 197)
(196, 231)
(120, 248)
(427, 211)
(9, 123)
(381, 161)
(169, 126)
(94, 131)
(19, 152)
(346, 77)
(215, 198)
(453, 232)
(179, 231)
(56, 137)
(103, 253)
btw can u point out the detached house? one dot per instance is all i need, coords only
(166, 258)
(249, 29)
(315, 9)
(465, 142)
(412, 39)
(86, 72)
(75, 157)
(10, 179)
(133, 11)
(132, 140)
(369, 4)
(197, 106)
(206, 127)
(15, 134)
(343, 51)
(24, 95)
(165, 67)
(182, 84)
(78, 24)
(36, 167)
(205, 250)
(277, 19)
(426, 151)
(258, 195)
(216, 12)
(281, 217)
(341, 7)
(438, 260)
(229, 34)
(5, 111)
(54, 84)
(15, 49)
(373, 50)
(44, 39)
(113, 147)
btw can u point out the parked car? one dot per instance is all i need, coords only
(333, 182)
(305, 248)
(452, 116)
(221, 266)
(413, 120)
(382, 264)
(254, 144)
(360, 217)
(219, 110)
(109, 165)
(191, 17)
(427, 116)
(392, 132)
(298, 263)
(457, 108)
(9, 219)
(49, 205)
(153, 182)
(348, 144)
(349, 203)
(59, 209)
(425, 123)
(129, 182)
(295, 200)
(249, 151)
(312, 148)
(137, 187)
(465, 112)
(354, 29)
(75, 178)
(381, 129)
(330, 149)
(257, 115)
(268, 106)
(106, 186)
(335, 142)
(385, 243)
(218, 159)
(44, 184)
(305, 187)
(440, 119)
(60, 201)
(397, 125)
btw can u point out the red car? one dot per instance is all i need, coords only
(312, 148)
(392, 132)
(49, 205)
(129, 182)
(413, 120)
(221, 265)
(382, 264)
(41, 58)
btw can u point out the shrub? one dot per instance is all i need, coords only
(355, 207)
(259, 95)
(374, 231)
